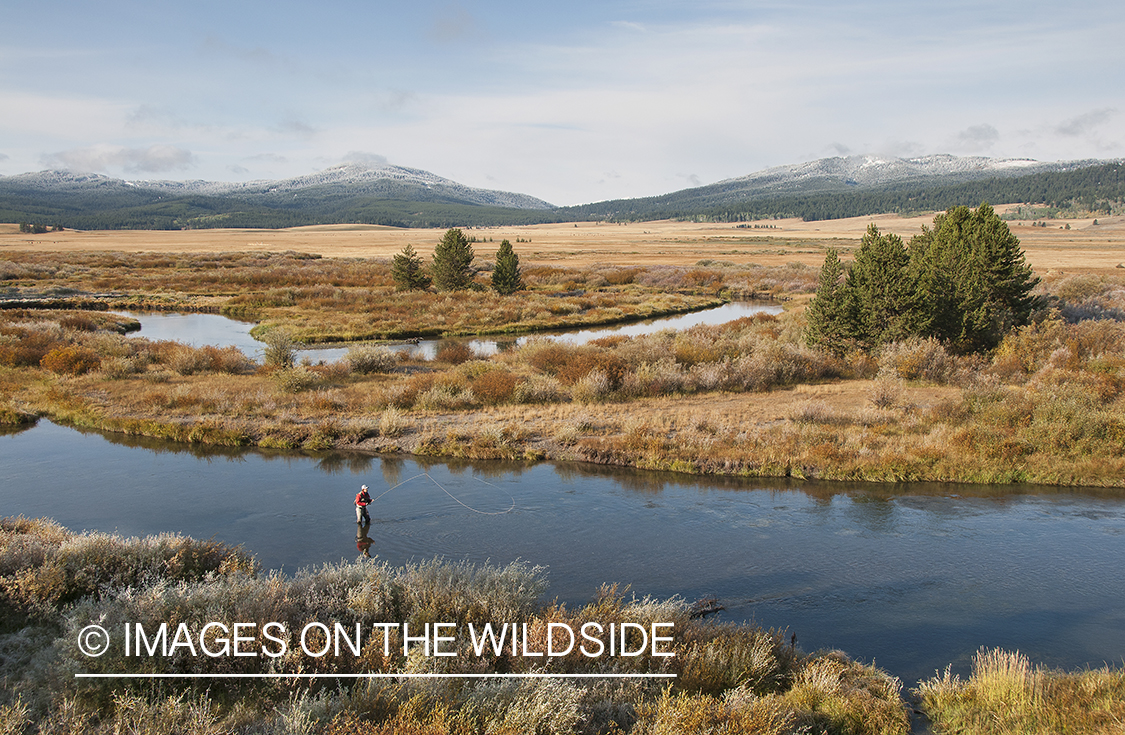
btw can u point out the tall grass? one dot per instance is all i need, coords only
(729, 677)
(1006, 694)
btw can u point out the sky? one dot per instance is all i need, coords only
(572, 102)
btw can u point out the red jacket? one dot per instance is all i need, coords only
(362, 499)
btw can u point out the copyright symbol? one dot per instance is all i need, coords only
(93, 640)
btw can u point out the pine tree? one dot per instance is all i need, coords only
(453, 259)
(972, 283)
(877, 290)
(506, 275)
(408, 271)
(828, 325)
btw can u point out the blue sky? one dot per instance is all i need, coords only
(571, 102)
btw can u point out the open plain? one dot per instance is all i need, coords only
(1085, 247)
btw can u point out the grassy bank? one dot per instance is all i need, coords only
(744, 398)
(1007, 695)
(54, 583)
(318, 299)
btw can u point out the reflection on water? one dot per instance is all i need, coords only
(212, 329)
(913, 577)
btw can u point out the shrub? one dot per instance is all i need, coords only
(656, 379)
(294, 379)
(917, 359)
(885, 392)
(404, 394)
(444, 398)
(367, 359)
(454, 353)
(581, 364)
(539, 389)
(187, 360)
(592, 387)
(79, 323)
(228, 359)
(393, 423)
(25, 348)
(494, 387)
(70, 360)
(281, 349)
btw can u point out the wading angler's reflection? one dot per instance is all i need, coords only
(362, 540)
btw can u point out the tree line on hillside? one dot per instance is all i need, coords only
(964, 282)
(1095, 189)
(451, 268)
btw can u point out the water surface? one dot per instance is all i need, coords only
(220, 331)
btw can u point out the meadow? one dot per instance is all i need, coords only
(745, 398)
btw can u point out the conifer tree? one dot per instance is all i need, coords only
(828, 325)
(972, 283)
(408, 271)
(453, 259)
(506, 275)
(877, 290)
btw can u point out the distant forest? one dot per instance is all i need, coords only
(1094, 190)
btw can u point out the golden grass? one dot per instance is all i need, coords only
(1007, 695)
(1083, 247)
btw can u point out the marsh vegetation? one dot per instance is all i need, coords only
(1044, 405)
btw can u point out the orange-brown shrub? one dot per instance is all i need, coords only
(494, 387)
(454, 353)
(30, 348)
(550, 358)
(403, 394)
(226, 359)
(70, 360)
(583, 363)
(611, 341)
(699, 278)
(620, 276)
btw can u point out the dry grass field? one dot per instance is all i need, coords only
(1085, 247)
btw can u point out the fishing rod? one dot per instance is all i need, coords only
(454, 497)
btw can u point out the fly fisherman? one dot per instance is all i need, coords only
(362, 500)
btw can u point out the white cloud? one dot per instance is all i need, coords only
(101, 158)
(977, 138)
(1087, 123)
(362, 157)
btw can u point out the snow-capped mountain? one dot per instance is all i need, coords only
(356, 179)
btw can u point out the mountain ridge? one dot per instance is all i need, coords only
(382, 193)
